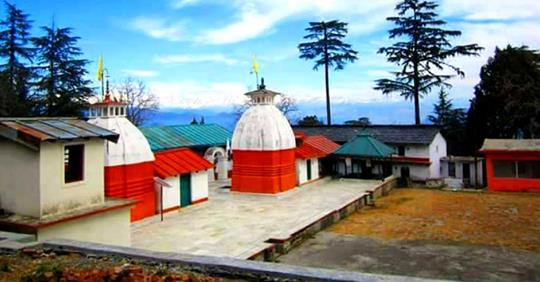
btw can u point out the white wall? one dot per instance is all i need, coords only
(199, 185)
(301, 171)
(421, 151)
(314, 168)
(459, 171)
(417, 172)
(57, 196)
(171, 195)
(111, 228)
(19, 179)
(437, 150)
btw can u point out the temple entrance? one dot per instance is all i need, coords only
(218, 157)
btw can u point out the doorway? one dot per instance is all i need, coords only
(308, 164)
(185, 190)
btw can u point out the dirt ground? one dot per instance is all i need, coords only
(43, 265)
(496, 219)
(434, 234)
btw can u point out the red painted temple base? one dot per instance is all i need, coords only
(268, 172)
(135, 182)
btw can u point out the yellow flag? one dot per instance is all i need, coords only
(100, 68)
(255, 65)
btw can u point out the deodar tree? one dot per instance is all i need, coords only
(62, 85)
(327, 48)
(423, 53)
(16, 53)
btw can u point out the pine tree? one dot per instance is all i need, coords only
(327, 49)
(62, 82)
(422, 56)
(451, 121)
(15, 50)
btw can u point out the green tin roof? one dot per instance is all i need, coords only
(176, 136)
(364, 145)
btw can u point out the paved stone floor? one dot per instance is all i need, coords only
(426, 259)
(237, 225)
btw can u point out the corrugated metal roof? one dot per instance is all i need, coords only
(178, 136)
(364, 145)
(389, 134)
(316, 147)
(511, 145)
(179, 161)
(32, 131)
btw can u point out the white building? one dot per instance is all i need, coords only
(183, 179)
(51, 181)
(418, 148)
(462, 172)
(311, 152)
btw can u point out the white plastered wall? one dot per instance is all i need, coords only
(301, 170)
(57, 196)
(437, 150)
(171, 195)
(416, 172)
(111, 228)
(19, 179)
(199, 185)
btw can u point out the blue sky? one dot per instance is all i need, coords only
(196, 54)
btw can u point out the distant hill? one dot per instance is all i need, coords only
(378, 113)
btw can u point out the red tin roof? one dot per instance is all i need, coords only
(179, 161)
(316, 146)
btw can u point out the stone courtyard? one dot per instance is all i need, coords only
(238, 225)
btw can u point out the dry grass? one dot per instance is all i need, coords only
(500, 219)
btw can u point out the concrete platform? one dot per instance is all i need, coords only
(240, 225)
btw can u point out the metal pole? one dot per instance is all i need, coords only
(161, 200)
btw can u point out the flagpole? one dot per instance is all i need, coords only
(102, 87)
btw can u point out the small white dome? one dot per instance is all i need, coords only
(263, 128)
(131, 148)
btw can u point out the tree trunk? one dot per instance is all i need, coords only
(327, 83)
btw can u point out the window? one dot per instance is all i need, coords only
(73, 163)
(504, 169)
(401, 150)
(451, 169)
(529, 169)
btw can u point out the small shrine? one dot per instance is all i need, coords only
(263, 147)
(129, 163)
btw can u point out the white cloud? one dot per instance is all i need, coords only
(193, 95)
(140, 73)
(178, 4)
(492, 9)
(158, 28)
(184, 58)
(258, 17)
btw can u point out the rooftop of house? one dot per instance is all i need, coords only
(315, 147)
(32, 131)
(185, 136)
(389, 134)
(179, 161)
(364, 145)
(511, 145)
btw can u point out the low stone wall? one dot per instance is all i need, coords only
(282, 246)
(242, 270)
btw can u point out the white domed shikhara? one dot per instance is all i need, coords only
(132, 147)
(263, 148)
(263, 128)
